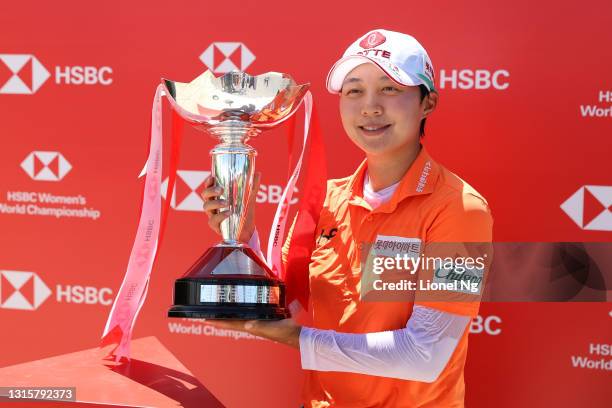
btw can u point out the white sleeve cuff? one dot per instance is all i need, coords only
(307, 350)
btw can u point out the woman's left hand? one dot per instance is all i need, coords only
(285, 331)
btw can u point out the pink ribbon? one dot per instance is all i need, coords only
(277, 232)
(133, 291)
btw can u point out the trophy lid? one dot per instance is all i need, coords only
(259, 101)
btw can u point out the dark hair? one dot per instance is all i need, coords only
(424, 93)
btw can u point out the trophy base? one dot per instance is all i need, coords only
(229, 283)
(227, 312)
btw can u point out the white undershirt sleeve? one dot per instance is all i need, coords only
(418, 352)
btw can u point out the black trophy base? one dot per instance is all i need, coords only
(216, 287)
(228, 312)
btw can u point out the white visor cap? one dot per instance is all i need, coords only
(399, 55)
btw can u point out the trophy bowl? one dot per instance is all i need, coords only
(230, 281)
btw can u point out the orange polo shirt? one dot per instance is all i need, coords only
(431, 204)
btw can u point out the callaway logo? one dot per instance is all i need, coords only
(22, 290)
(372, 40)
(186, 196)
(468, 280)
(590, 207)
(25, 74)
(223, 57)
(47, 166)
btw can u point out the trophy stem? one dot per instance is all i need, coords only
(233, 168)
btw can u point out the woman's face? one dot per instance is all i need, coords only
(380, 116)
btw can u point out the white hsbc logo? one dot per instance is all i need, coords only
(589, 207)
(22, 290)
(190, 183)
(28, 74)
(46, 166)
(223, 57)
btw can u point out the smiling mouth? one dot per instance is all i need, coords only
(374, 129)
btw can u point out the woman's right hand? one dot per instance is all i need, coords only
(217, 208)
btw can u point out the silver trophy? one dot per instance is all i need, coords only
(229, 281)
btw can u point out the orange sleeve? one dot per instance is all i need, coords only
(463, 228)
(464, 220)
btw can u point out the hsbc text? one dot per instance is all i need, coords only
(84, 294)
(485, 325)
(272, 194)
(77, 75)
(35, 197)
(474, 79)
(600, 349)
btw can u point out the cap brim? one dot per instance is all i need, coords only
(337, 74)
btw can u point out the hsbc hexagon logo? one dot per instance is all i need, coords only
(185, 196)
(46, 166)
(223, 57)
(22, 290)
(25, 74)
(590, 208)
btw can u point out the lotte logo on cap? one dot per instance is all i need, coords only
(46, 166)
(188, 182)
(22, 290)
(589, 207)
(223, 57)
(372, 40)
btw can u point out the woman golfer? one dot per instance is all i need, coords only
(381, 354)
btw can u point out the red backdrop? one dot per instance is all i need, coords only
(525, 115)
